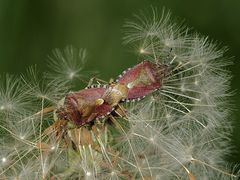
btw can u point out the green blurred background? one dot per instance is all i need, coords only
(30, 29)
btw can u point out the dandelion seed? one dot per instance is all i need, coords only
(13, 95)
(196, 82)
(152, 139)
(168, 116)
(4, 159)
(71, 75)
(142, 51)
(2, 107)
(88, 173)
(67, 65)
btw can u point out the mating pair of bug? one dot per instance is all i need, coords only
(96, 102)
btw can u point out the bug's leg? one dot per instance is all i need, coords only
(81, 137)
(45, 147)
(90, 82)
(111, 81)
(98, 81)
(56, 133)
(46, 110)
(57, 130)
(43, 111)
(101, 80)
(120, 111)
(115, 122)
(112, 119)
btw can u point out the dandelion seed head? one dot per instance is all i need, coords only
(181, 128)
(39, 89)
(67, 65)
(13, 95)
(189, 97)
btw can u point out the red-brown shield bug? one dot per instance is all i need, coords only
(143, 79)
(84, 106)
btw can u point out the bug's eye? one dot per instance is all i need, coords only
(65, 117)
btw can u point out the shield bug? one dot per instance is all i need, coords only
(99, 101)
(143, 79)
(85, 106)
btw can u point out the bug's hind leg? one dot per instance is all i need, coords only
(96, 80)
(120, 111)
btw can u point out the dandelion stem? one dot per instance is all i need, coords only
(40, 136)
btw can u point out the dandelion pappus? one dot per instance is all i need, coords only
(168, 135)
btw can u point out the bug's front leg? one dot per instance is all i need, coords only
(56, 134)
(98, 80)
(39, 113)
(120, 111)
(57, 130)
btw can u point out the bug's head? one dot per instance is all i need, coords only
(72, 111)
(163, 70)
(62, 113)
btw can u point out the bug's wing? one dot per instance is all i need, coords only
(142, 79)
(102, 110)
(86, 105)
